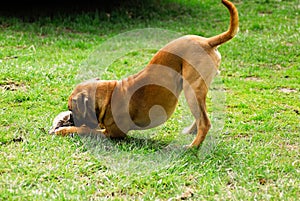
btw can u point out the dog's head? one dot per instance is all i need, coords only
(88, 102)
(82, 104)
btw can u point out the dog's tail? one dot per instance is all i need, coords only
(233, 28)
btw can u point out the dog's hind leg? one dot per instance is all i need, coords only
(203, 126)
(202, 123)
(195, 91)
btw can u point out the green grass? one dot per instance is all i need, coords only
(255, 156)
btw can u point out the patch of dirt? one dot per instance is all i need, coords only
(267, 12)
(242, 136)
(262, 181)
(289, 44)
(291, 147)
(12, 86)
(293, 109)
(287, 90)
(188, 194)
(14, 140)
(252, 78)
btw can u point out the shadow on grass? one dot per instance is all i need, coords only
(134, 155)
(134, 143)
(137, 145)
(30, 11)
(145, 145)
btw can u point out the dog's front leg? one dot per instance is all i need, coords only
(63, 131)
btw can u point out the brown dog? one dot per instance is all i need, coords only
(148, 98)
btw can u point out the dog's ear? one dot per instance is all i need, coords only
(102, 108)
(80, 103)
(103, 97)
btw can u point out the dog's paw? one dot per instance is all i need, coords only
(191, 147)
(51, 131)
(62, 131)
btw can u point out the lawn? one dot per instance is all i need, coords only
(251, 153)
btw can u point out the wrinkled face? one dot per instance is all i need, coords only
(81, 103)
